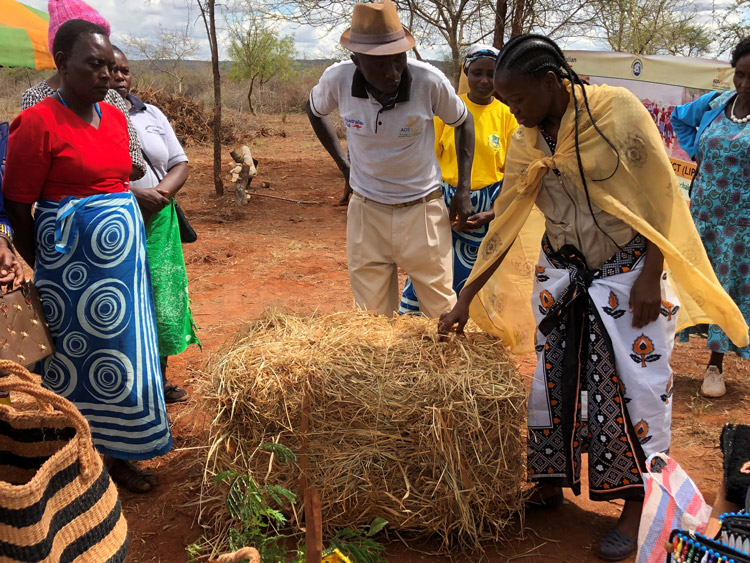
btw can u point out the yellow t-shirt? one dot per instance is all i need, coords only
(493, 127)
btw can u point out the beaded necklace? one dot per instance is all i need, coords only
(96, 105)
(736, 119)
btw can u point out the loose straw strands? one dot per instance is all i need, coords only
(423, 433)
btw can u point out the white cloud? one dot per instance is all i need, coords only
(142, 19)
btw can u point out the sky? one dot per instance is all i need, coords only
(142, 18)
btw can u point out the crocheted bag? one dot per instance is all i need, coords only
(57, 501)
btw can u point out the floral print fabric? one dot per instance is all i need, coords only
(720, 206)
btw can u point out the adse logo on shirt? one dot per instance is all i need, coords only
(409, 130)
(355, 123)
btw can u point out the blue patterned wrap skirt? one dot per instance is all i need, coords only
(93, 278)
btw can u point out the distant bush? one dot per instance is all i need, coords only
(13, 82)
(276, 97)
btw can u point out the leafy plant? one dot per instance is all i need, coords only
(358, 545)
(284, 454)
(259, 523)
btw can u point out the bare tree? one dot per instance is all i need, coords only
(652, 27)
(208, 14)
(556, 18)
(733, 24)
(167, 52)
(455, 24)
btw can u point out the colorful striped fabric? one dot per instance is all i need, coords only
(672, 501)
(23, 36)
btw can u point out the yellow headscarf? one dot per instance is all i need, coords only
(643, 192)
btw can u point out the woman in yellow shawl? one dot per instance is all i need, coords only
(604, 310)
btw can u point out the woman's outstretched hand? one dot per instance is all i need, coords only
(455, 320)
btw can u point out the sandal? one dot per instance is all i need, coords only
(616, 546)
(174, 394)
(135, 480)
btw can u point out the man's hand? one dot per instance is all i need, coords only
(460, 209)
(344, 201)
(478, 220)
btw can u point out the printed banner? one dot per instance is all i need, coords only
(661, 83)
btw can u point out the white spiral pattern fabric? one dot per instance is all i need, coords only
(94, 282)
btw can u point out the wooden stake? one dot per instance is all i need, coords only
(304, 424)
(313, 527)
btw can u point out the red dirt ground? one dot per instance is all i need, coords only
(276, 252)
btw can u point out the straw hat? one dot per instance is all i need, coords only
(376, 30)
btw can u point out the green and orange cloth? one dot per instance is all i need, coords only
(23, 36)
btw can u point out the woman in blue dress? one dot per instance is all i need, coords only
(714, 130)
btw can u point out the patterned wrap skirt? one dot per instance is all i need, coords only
(93, 278)
(465, 245)
(600, 385)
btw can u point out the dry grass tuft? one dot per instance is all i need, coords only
(401, 425)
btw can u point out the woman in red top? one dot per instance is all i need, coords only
(68, 155)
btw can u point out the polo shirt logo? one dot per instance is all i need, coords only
(494, 141)
(355, 123)
(409, 130)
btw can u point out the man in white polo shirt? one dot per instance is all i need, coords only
(396, 216)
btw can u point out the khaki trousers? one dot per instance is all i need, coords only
(380, 238)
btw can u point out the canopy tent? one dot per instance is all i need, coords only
(23, 36)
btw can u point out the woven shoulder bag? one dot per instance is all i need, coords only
(57, 501)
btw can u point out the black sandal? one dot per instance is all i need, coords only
(616, 546)
(135, 480)
(174, 394)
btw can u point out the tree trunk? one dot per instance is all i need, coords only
(517, 28)
(218, 183)
(455, 61)
(250, 97)
(501, 12)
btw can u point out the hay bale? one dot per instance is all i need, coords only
(423, 433)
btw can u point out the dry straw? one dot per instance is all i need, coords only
(423, 433)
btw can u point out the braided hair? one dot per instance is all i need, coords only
(535, 55)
